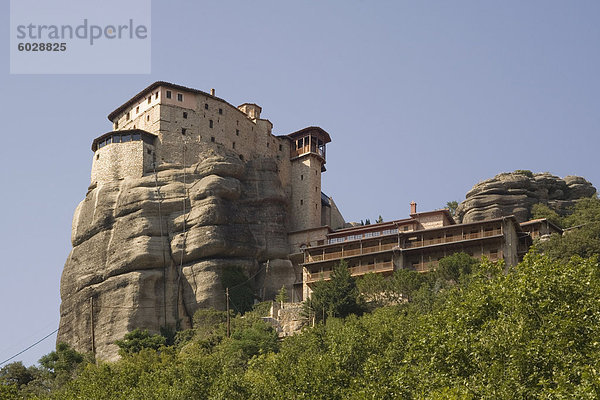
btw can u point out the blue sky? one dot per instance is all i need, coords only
(422, 101)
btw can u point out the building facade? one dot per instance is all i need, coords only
(416, 243)
(167, 125)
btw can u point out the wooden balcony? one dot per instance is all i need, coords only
(432, 265)
(307, 149)
(449, 239)
(325, 256)
(387, 266)
(349, 253)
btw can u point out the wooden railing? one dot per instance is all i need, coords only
(354, 271)
(407, 245)
(352, 252)
(431, 265)
(453, 238)
(425, 266)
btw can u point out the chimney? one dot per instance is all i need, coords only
(212, 92)
(413, 207)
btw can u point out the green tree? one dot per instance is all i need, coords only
(406, 283)
(540, 210)
(338, 297)
(453, 267)
(16, 374)
(375, 289)
(139, 339)
(281, 296)
(452, 206)
(582, 239)
(379, 220)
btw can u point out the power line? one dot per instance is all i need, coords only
(247, 280)
(24, 350)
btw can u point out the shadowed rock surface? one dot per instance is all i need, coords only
(150, 258)
(515, 193)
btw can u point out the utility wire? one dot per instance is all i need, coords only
(24, 350)
(247, 280)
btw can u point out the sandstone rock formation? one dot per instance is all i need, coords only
(516, 192)
(149, 252)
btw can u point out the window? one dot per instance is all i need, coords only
(137, 110)
(220, 111)
(301, 202)
(405, 228)
(267, 144)
(183, 131)
(234, 145)
(206, 106)
(117, 125)
(127, 117)
(156, 95)
(212, 139)
(97, 156)
(301, 177)
(280, 147)
(147, 118)
(168, 94)
(237, 132)
(149, 151)
(117, 139)
(149, 99)
(179, 97)
(184, 115)
(126, 138)
(241, 157)
(136, 136)
(210, 123)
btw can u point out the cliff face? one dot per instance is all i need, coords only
(150, 258)
(515, 193)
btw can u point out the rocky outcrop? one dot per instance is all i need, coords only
(515, 193)
(149, 252)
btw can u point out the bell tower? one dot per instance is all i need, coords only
(307, 157)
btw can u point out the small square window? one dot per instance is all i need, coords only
(183, 131)
(237, 132)
(149, 151)
(184, 114)
(220, 111)
(212, 139)
(168, 94)
(206, 106)
(210, 123)
(179, 97)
